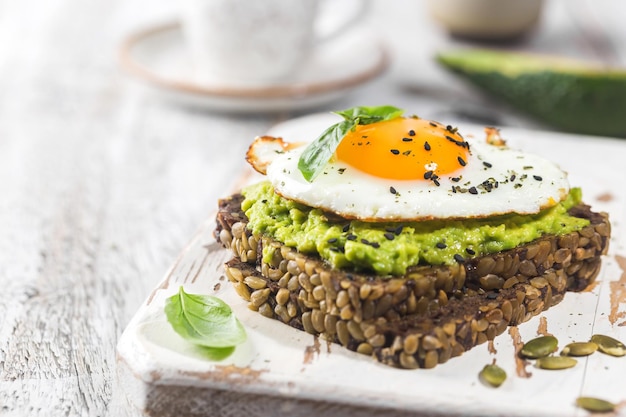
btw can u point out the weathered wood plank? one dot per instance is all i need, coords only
(102, 185)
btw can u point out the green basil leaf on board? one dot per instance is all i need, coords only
(318, 153)
(204, 320)
(216, 354)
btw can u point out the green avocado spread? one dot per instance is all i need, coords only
(390, 248)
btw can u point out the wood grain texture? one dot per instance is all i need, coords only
(102, 184)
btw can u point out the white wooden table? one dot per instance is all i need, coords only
(102, 183)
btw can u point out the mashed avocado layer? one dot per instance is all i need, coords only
(390, 248)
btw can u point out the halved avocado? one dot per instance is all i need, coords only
(570, 95)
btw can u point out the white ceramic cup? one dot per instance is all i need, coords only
(250, 42)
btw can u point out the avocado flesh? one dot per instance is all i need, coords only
(311, 230)
(569, 95)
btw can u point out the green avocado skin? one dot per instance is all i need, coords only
(585, 101)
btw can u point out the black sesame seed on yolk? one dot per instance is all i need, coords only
(404, 149)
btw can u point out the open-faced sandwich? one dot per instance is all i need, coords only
(401, 239)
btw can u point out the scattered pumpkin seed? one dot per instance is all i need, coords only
(492, 375)
(539, 347)
(555, 362)
(595, 405)
(579, 349)
(608, 345)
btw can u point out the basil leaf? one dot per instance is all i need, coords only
(368, 115)
(315, 156)
(216, 354)
(318, 153)
(204, 320)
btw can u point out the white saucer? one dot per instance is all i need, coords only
(158, 57)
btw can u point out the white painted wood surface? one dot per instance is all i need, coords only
(102, 183)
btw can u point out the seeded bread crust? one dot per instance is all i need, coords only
(425, 317)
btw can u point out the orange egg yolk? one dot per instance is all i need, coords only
(404, 149)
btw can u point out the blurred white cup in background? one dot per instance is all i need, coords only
(260, 41)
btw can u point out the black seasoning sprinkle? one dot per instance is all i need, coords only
(460, 143)
(436, 181)
(351, 237)
(389, 236)
(487, 164)
(470, 251)
(346, 228)
(395, 151)
(427, 146)
(332, 240)
(407, 140)
(473, 190)
(537, 177)
(428, 175)
(512, 178)
(449, 128)
(489, 184)
(392, 190)
(406, 153)
(433, 124)
(396, 230)
(441, 245)
(375, 245)
(455, 179)
(341, 170)
(460, 259)
(264, 201)
(454, 189)
(411, 132)
(461, 161)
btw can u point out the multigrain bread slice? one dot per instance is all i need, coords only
(425, 317)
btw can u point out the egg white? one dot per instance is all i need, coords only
(526, 184)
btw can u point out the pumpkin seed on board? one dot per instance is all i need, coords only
(579, 349)
(556, 362)
(539, 347)
(608, 345)
(492, 375)
(595, 405)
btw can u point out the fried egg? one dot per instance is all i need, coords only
(409, 169)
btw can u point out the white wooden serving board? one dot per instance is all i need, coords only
(280, 371)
